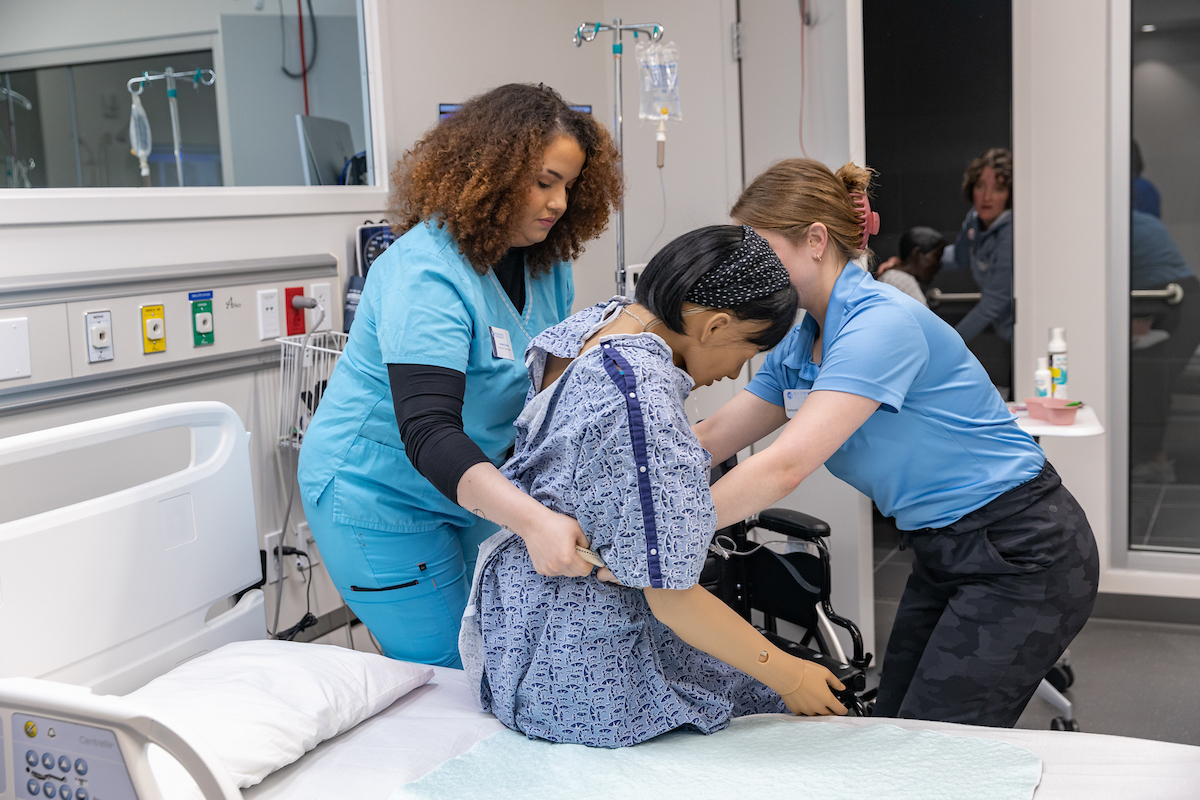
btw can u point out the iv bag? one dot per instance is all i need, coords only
(139, 135)
(658, 73)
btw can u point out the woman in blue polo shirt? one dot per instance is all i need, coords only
(398, 472)
(886, 395)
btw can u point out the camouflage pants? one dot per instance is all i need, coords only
(992, 602)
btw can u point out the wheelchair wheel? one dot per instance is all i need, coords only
(1061, 676)
(1064, 724)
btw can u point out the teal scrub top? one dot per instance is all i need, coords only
(942, 442)
(423, 303)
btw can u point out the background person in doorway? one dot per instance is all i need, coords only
(398, 470)
(919, 261)
(985, 247)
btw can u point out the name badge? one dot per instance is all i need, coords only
(793, 399)
(501, 344)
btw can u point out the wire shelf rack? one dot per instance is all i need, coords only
(314, 363)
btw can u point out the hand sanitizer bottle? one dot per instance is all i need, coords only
(1058, 362)
(1042, 378)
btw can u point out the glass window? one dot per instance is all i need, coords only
(1164, 370)
(259, 116)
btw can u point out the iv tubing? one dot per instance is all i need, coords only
(303, 57)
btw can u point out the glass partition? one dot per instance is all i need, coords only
(246, 108)
(1164, 369)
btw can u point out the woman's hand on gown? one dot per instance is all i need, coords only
(551, 544)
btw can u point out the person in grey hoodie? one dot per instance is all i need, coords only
(985, 244)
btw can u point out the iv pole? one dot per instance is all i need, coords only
(587, 32)
(197, 76)
(16, 171)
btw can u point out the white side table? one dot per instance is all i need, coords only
(1086, 424)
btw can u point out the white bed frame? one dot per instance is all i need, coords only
(90, 594)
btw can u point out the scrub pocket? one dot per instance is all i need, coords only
(374, 489)
(411, 621)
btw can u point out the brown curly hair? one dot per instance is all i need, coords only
(472, 174)
(999, 160)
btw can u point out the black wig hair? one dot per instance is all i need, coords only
(676, 268)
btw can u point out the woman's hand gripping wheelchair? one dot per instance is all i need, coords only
(793, 587)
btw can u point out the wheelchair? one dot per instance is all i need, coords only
(792, 587)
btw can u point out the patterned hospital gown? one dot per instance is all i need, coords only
(575, 659)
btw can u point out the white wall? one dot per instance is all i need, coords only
(1071, 118)
(773, 76)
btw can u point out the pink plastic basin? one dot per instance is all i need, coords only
(1036, 407)
(1058, 413)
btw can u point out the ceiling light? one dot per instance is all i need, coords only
(1149, 28)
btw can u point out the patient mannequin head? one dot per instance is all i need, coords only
(720, 295)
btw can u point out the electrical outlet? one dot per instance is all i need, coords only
(268, 314)
(633, 274)
(293, 316)
(271, 542)
(323, 294)
(308, 544)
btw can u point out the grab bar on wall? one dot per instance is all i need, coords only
(1173, 294)
(936, 297)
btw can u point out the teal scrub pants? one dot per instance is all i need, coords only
(409, 589)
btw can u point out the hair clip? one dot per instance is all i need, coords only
(870, 219)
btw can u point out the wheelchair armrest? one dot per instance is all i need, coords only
(793, 523)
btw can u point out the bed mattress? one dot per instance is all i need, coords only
(439, 721)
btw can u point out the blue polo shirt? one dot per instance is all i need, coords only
(423, 303)
(942, 443)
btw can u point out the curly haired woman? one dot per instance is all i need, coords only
(398, 470)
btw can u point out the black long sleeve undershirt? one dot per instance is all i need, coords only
(429, 401)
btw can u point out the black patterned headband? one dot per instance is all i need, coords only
(752, 272)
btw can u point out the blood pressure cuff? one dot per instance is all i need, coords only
(429, 403)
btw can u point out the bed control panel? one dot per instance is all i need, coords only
(61, 742)
(61, 760)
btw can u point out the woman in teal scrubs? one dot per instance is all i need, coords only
(877, 388)
(398, 471)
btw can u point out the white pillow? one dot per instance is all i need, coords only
(261, 705)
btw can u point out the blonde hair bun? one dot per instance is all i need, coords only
(854, 177)
(792, 194)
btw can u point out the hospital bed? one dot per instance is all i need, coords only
(109, 593)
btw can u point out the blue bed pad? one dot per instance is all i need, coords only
(760, 757)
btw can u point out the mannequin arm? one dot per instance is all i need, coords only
(707, 624)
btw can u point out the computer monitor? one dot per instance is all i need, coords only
(325, 147)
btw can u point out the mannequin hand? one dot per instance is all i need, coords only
(812, 696)
(605, 575)
(551, 545)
